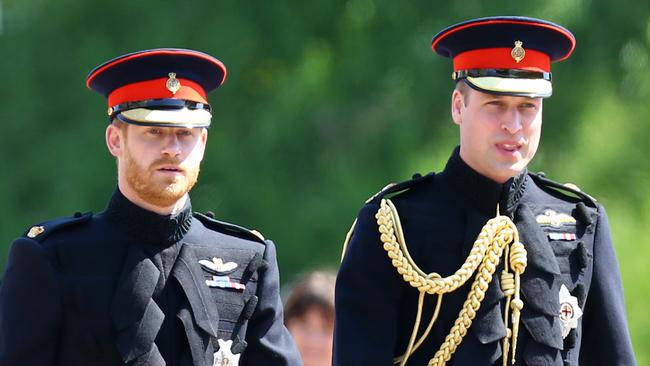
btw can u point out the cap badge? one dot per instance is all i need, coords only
(570, 312)
(35, 231)
(225, 357)
(172, 83)
(518, 53)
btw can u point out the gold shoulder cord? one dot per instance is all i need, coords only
(498, 235)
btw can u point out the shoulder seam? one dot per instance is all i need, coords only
(41, 231)
(394, 188)
(564, 188)
(230, 229)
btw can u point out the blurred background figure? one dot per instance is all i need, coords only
(309, 316)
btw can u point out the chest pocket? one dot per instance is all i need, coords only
(232, 277)
(570, 236)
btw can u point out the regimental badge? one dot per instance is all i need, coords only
(225, 357)
(217, 266)
(172, 83)
(570, 312)
(518, 53)
(35, 231)
(552, 218)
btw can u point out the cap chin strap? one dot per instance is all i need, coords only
(497, 235)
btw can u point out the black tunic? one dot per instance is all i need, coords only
(125, 287)
(441, 216)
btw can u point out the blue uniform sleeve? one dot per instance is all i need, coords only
(269, 341)
(367, 299)
(30, 307)
(606, 339)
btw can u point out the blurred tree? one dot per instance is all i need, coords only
(324, 104)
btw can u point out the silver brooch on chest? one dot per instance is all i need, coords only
(570, 311)
(554, 219)
(224, 356)
(218, 266)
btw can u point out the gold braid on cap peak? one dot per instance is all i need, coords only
(497, 235)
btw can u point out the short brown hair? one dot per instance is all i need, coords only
(463, 89)
(313, 290)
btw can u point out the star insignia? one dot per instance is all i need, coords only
(570, 312)
(225, 357)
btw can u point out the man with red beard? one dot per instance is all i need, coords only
(147, 281)
(485, 263)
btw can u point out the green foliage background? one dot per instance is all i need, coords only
(325, 103)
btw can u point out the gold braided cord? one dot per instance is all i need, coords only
(496, 236)
(348, 236)
(409, 350)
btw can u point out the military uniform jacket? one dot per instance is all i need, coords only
(125, 287)
(568, 243)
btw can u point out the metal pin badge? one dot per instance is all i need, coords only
(172, 83)
(224, 356)
(217, 266)
(570, 312)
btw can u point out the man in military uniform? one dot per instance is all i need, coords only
(485, 263)
(147, 281)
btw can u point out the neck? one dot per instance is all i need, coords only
(132, 196)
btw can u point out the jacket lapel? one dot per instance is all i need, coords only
(540, 284)
(136, 317)
(187, 271)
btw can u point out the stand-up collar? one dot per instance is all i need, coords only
(147, 225)
(481, 191)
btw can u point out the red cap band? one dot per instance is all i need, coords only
(157, 89)
(500, 58)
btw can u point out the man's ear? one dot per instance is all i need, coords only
(114, 140)
(204, 136)
(457, 105)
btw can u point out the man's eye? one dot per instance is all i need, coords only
(185, 133)
(154, 131)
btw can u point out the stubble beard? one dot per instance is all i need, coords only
(157, 191)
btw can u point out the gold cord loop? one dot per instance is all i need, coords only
(497, 235)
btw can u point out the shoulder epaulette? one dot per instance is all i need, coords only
(229, 229)
(394, 188)
(41, 231)
(567, 188)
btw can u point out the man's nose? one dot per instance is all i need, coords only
(172, 146)
(512, 122)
